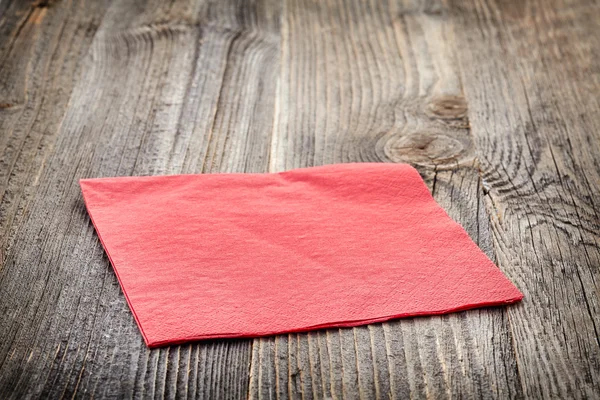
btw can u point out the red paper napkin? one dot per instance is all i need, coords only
(245, 255)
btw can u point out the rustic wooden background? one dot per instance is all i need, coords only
(497, 103)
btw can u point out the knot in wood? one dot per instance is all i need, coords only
(448, 108)
(428, 148)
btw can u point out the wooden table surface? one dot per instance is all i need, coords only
(497, 103)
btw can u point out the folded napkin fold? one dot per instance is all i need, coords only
(245, 255)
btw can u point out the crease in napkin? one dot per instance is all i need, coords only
(246, 255)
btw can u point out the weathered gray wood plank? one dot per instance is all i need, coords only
(378, 81)
(41, 50)
(163, 88)
(535, 76)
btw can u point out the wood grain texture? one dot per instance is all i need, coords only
(495, 102)
(182, 87)
(377, 83)
(537, 140)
